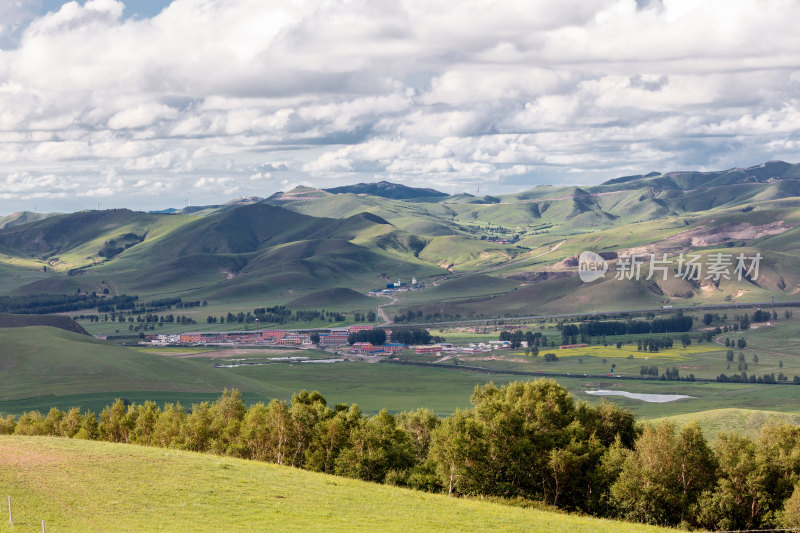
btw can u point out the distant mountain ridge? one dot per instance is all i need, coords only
(194, 209)
(386, 189)
(309, 245)
(769, 172)
(22, 217)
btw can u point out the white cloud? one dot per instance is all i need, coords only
(140, 116)
(259, 176)
(415, 91)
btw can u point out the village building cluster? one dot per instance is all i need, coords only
(334, 338)
(398, 286)
(329, 338)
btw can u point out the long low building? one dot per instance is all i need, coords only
(332, 340)
(428, 349)
(201, 337)
(294, 340)
(394, 347)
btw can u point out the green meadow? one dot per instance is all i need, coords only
(46, 367)
(86, 486)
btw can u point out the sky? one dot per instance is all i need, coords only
(150, 104)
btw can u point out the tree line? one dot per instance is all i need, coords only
(410, 315)
(597, 328)
(516, 338)
(40, 304)
(410, 336)
(528, 440)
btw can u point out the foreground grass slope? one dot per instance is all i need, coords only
(94, 486)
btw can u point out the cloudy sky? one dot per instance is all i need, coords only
(144, 103)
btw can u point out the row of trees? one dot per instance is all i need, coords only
(377, 336)
(413, 336)
(766, 378)
(369, 316)
(597, 328)
(739, 343)
(530, 440)
(62, 303)
(410, 315)
(654, 345)
(517, 337)
(279, 314)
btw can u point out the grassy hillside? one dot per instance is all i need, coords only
(260, 250)
(307, 241)
(76, 240)
(22, 217)
(57, 366)
(337, 298)
(8, 320)
(387, 190)
(739, 421)
(94, 486)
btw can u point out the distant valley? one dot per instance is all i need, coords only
(484, 256)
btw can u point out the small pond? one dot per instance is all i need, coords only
(650, 398)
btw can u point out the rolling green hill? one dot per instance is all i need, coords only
(254, 249)
(8, 320)
(86, 238)
(84, 486)
(41, 363)
(337, 298)
(298, 243)
(22, 217)
(731, 420)
(386, 189)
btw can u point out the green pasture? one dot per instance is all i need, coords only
(86, 486)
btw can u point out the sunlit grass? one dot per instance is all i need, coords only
(96, 486)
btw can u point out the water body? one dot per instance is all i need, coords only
(650, 398)
(235, 363)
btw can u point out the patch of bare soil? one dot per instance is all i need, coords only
(499, 358)
(542, 276)
(709, 236)
(572, 261)
(16, 457)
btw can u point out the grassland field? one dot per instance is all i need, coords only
(371, 386)
(40, 367)
(86, 486)
(221, 309)
(45, 367)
